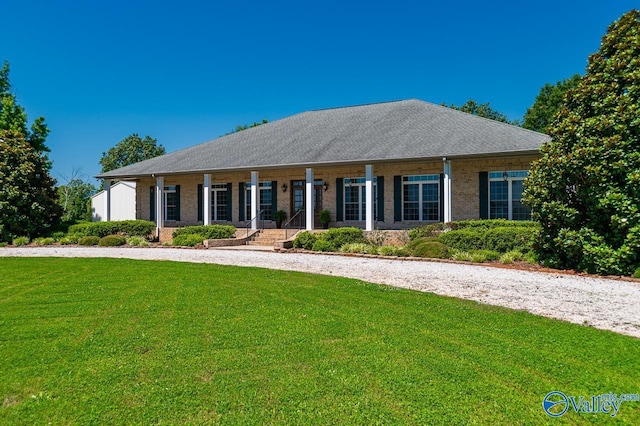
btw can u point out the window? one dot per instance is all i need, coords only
(265, 194)
(355, 204)
(421, 198)
(505, 195)
(170, 203)
(219, 202)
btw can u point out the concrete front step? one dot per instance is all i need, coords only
(268, 237)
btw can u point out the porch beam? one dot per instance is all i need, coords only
(206, 199)
(368, 189)
(309, 195)
(159, 204)
(106, 185)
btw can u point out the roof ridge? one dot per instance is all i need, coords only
(363, 105)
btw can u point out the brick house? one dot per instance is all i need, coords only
(388, 165)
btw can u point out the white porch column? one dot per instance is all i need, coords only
(447, 191)
(368, 189)
(308, 202)
(106, 185)
(159, 204)
(206, 200)
(255, 200)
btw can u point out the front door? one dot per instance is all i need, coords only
(298, 200)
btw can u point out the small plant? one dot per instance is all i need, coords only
(137, 242)
(305, 240)
(460, 255)
(112, 241)
(325, 218)
(65, 241)
(21, 241)
(3, 243)
(57, 236)
(388, 250)
(279, 216)
(44, 241)
(637, 273)
(188, 240)
(354, 248)
(89, 240)
(510, 257)
(480, 256)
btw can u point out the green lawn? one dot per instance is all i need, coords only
(103, 341)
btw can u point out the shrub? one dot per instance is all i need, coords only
(430, 249)
(3, 243)
(89, 240)
(323, 245)
(305, 240)
(188, 240)
(388, 250)
(637, 273)
(112, 241)
(463, 256)
(485, 255)
(137, 241)
(505, 239)
(65, 241)
(511, 257)
(21, 241)
(432, 230)
(486, 224)
(208, 232)
(57, 236)
(341, 236)
(44, 241)
(123, 227)
(463, 239)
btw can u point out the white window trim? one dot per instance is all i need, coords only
(420, 199)
(360, 182)
(215, 189)
(169, 189)
(513, 176)
(262, 186)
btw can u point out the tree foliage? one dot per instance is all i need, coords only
(241, 127)
(584, 189)
(547, 104)
(75, 198)
(13, 117)
(483, 110)
(130, 150)
(28, 199)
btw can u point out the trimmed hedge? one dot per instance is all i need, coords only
(129, 228)
(428, 249)
(305, 240)
(432, 230)
(500, 239)
(112, 241)
(207, 232)
(463, 239)
(89, 240)
(188, 240)
(341, 236)
(486, 224)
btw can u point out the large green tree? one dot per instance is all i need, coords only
(483, 110)
(585, 188)
(13, 116)
(130, 150)
(547, 104)
(75, 197)
(28, 199)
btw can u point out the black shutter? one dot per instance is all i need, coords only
(241, 202)
(229, 203)
(397, 198)
(200, 203)
(152, 204)
(177, 203)
(339, 199)
(441, 202)
(483, 178)
(380, 211)
(274, 198)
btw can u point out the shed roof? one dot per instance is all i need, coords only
(390, 131)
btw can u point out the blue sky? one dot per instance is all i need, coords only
(187, 72)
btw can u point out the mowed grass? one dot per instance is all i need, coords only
(105, 341)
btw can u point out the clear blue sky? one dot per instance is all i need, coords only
(185, 72)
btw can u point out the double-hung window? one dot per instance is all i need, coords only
(170, 203)
(355, 204)
(421, 198)
(265, 198)
(505, 195)
(219, 202)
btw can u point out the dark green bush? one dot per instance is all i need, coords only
(89, 240)
(323, 245)
(506, 239)
(432, 230)
(486, 224)
(341, 236)
(112, 241)
(188, 240)
(305, 240)
(208, 232)
(129, 228)
(463, 239)
(430, 249)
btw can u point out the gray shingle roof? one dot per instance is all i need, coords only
(402, 130)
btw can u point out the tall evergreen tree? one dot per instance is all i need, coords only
(584, 189)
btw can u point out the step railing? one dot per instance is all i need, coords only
(296, 222)
(260, 222)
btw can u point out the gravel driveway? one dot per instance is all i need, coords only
(598, 302)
